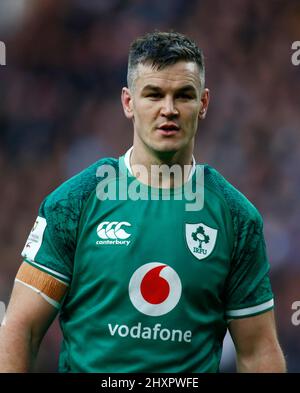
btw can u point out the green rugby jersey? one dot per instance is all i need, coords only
(151, 285)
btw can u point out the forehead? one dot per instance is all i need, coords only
(175, 75)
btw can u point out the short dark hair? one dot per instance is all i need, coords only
(161, 49)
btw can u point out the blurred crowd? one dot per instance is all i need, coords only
(60, 111)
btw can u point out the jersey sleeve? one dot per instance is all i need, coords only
(248, 289)
(51, 244)
(52, 241)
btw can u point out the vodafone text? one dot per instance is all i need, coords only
(150, 333)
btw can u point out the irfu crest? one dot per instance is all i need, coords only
(201, 239)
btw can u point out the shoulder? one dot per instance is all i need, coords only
(238, 204)
(71, 195)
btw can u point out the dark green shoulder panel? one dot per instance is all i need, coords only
(70, 196)
(237, 203)
(247, 284)
(246, 220)
(62, 209)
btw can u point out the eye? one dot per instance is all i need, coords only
(154, 95)
(185, 96)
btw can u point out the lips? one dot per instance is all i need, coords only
(168, 129)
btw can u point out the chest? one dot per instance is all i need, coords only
(118, 238)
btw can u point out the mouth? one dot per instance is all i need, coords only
(168, 129)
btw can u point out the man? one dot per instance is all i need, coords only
(142, 282)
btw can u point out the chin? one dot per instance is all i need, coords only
(167, 147)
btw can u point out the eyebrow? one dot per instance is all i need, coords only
(151, 87)
(158, 89)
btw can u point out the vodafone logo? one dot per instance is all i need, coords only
(155, 289)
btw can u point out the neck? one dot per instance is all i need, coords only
(161, 169)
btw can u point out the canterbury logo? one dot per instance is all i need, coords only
(113, 232)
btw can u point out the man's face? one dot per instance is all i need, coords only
(165, 106)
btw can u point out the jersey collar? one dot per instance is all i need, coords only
(127, 163)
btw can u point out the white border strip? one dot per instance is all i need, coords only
(193, 168)
(127, 160)
(127, 163)
(250, 310)
(50, 271)
(47, 298)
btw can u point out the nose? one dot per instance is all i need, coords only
(168, 108)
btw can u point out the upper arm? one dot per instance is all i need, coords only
(34, 303)
(249, 332)
(35, 300)
(29, 314)
(256, 343)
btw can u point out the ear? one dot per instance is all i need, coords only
(127, 104)
(204, 104)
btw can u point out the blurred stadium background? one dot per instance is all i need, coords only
(60, 110)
